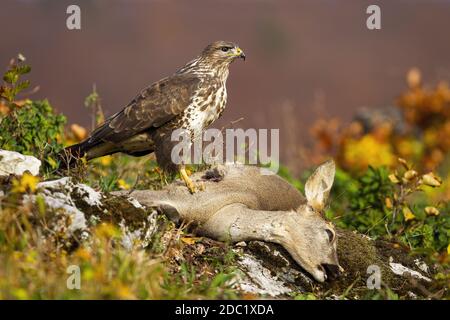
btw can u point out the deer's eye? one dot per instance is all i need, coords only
(330, 235)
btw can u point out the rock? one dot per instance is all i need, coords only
(401, 270)
(73, 208)
(16, 163)
(258, 279)
(57, 195)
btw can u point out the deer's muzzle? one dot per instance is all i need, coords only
(332, 271)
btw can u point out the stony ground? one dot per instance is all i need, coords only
(262, 269)
(130, 251)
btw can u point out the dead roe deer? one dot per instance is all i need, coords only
(242, 203)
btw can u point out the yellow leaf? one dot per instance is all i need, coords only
(78, 131)
(359, 153)
(106, 160)
(53, 164)
(124, 292)
(432, 180)
(27, 182)
(414, 78)
(107, 230)
(83, 254)
(408, 214)
(393, 178)
(190, 240)
(388, 203)
(432, 211)
(20, 294)
(88, 274)
(123, 184)
(410, 174)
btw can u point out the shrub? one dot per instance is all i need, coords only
(28, 127)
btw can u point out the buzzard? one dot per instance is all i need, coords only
(190, 99)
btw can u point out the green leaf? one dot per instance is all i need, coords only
(10, 77)
(23, 69)
(23, 85)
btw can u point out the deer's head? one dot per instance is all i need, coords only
(308, 237)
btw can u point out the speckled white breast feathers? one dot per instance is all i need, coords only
(204, 110)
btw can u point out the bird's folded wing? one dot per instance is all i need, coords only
(152, 108)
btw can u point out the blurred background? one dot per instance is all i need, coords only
(307, 60)
(376, 101)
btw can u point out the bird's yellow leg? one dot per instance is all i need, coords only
(191, 186)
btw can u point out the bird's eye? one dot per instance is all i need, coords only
(330, 235)
(225, 49)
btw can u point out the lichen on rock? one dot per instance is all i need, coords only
(258, 279)
(74, 208)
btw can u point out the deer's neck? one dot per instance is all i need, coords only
(238, 223)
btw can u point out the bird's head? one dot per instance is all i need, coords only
(222, 52)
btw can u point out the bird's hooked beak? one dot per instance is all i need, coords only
(238, 53)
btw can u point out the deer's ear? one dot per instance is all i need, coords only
(318, 186)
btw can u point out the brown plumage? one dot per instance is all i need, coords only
(191, 99)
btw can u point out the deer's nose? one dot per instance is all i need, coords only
(333, 271)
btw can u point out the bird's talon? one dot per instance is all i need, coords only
(189, 184)
(192, 188)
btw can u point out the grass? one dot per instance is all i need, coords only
(37, 268)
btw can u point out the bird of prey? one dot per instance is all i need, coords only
(190, 99)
